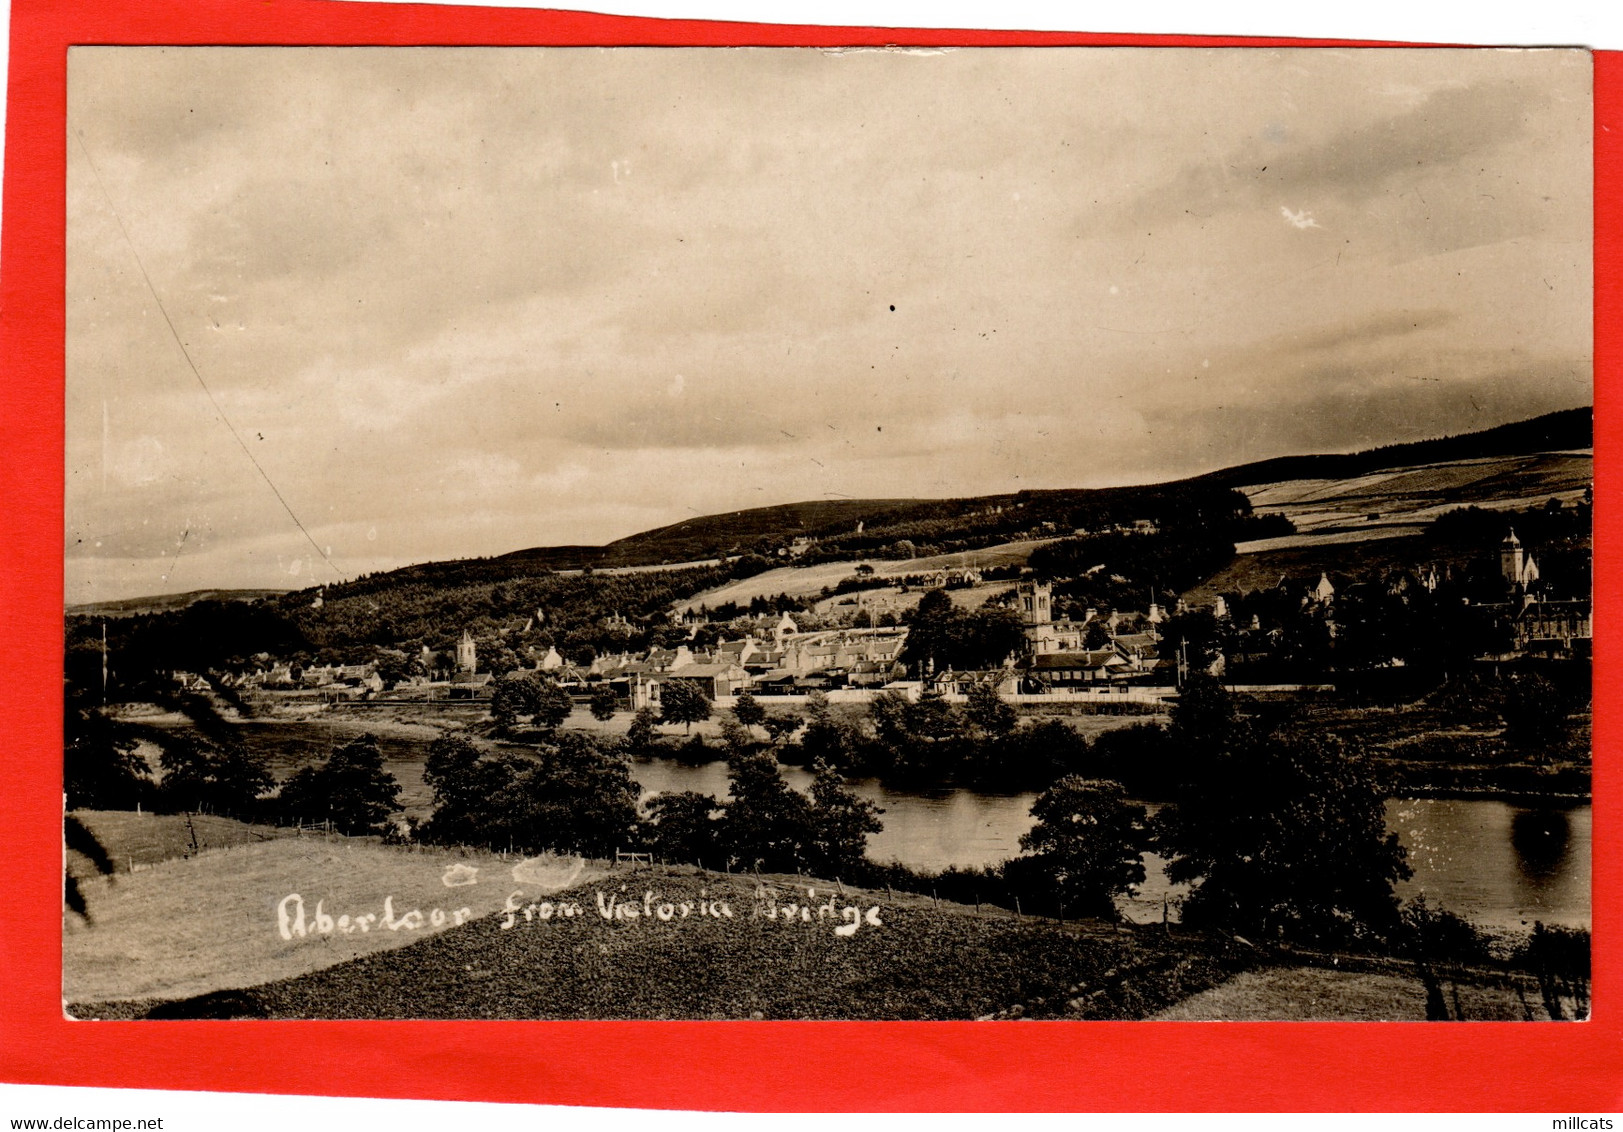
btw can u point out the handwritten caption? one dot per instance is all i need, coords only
(552, 874)
(654, 907)
(291, 921)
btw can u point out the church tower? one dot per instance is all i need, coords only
(1036, 603)
(1515, 564)
(467, 658)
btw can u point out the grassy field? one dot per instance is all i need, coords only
(138, 841)
(908, 958)
(200, 937)
(194, 924)
(1386, 515)
(809, 581)
(1250, 572)
(1419, 492)
(1322, 994)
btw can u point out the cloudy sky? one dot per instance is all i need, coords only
(460, 302)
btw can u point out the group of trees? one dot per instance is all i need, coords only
(928, 527)
(1281, 836)
(942, 636)
(1384, 616)
(204, 766)
(388, 619)
(923, 743)
(1280, 832)
(575, 793)
(1119, 569)
(351, 790)
(766, 824)
(569, 793)
(528, 694)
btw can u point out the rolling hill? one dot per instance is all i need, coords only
(991, 519)
(160, 603)
(1568, 429)
(1387, 496)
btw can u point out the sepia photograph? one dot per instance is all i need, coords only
(983, 534)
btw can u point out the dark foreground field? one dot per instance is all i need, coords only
(643, 942)
(909, 959)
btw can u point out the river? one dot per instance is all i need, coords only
(1502, 866)
(1498, 864)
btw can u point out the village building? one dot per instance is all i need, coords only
(1554, 628)
(1087, 668)
(716, 678)
(550, 661)
(1516, 565)
(1034, 602)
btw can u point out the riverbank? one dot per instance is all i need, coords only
(1418, 753)
(1501, 865)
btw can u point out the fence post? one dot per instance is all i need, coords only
(1017, 914)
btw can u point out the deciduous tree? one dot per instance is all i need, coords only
(511, 696)
(220, 778)
(683, 701)
(841, 823)
(351, 789)
(552, 705)
(1087, 843)
(684, 826)
(764, 819)
(604, 703)
(748, 710)
(1285, 837)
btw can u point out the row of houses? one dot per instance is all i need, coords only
(356, 678)
(791, 663)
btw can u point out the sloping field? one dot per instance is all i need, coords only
(1318, 994)
(684, 944)
(808, 581)
(135, 840)
(208, 922)
(1262, 570)
(893, 599)
(1389, 504)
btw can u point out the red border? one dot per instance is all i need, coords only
(764, 1066)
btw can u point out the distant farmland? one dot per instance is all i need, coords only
(809, 581)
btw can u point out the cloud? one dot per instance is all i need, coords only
(1303, 219)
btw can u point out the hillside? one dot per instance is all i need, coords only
(1568, 429)
(672, 942)
(900, 528)
(1403, 501)
(706, 949)
(695, 538)
(1376, 522)
(977, 521)
(547, 597)
(163, 603)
